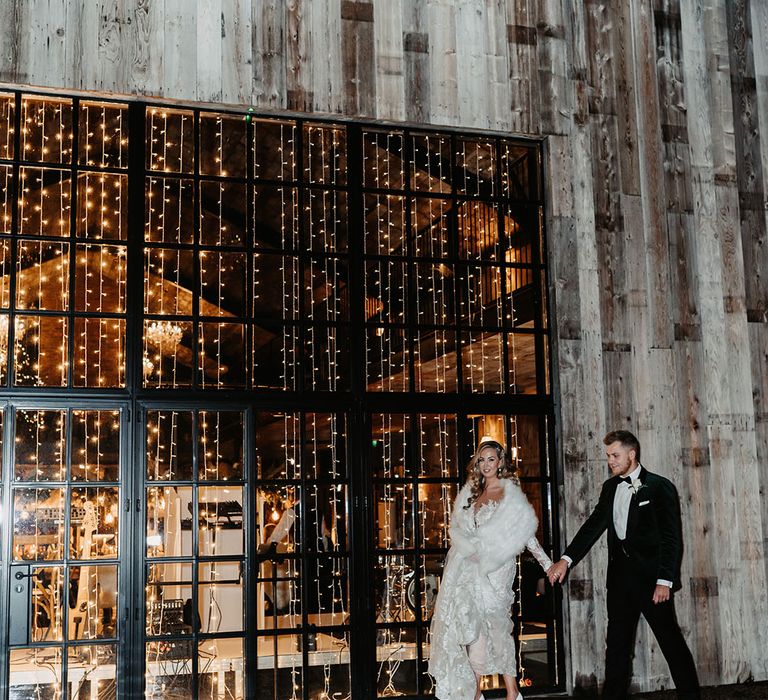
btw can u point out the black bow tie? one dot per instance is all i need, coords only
(626, 480)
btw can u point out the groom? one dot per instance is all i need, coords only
(641, 512)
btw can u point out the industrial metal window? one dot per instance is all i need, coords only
(243, 362)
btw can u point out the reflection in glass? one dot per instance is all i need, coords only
(42, 275)
(46, 129)
(220, 518)
(102, 206)
(169, 521)
(40, 445)
(169, 450)
(94, 521)
(93, 600)
(170, 140)
(221, 668)
(92, 672)
(44, 202)
(169, 670)
(35, 673)
(169, 216)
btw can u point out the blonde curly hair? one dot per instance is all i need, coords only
(475, 478)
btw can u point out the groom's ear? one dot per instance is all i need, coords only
(633, 455)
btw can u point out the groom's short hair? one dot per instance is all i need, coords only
(627, 440)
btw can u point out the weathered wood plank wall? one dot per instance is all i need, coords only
(656, 118)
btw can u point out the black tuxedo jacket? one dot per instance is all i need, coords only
(653, 546)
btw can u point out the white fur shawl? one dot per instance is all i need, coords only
(502, 537)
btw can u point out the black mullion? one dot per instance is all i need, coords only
(13, 243)
(197, 368)
(418, 551)
(412, 309)
(302, 184)
(453, 262)
(507, 306)
(250, 241)
(194, 559)
(6, 537)
(303, 558)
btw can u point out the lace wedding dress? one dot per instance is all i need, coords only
(472, 625)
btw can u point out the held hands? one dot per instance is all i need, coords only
(557, 572)
(661, 594)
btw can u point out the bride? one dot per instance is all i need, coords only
(491, 523)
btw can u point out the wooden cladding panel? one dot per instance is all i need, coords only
(655, 114)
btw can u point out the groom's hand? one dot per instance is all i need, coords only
(557, 572)
(661, 594)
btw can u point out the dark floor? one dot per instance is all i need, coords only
(748, 691)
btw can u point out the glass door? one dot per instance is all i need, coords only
(65, 549)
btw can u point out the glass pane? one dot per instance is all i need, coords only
(276, 217)
(521, 349)
(332, 653)
(103, 134)
(99, 352)
(520, 232)
(325, 451)
(276, 290)
(482, 362)
(169, 521)
(430, 219)
(169, 449)
(100, 278)
(274, 149)
(394, 516)
(434, 300)
(94, 522)
(102, 206)
(275, 356)
(35, 673)
(42, 275)
(222, 213)
(47, 624)
(394, 592)
(41, 448)
(326, 288)
(168, 672)
(220, 517)
(326, 364)
(220, 445)
(168, 276)
(92, 672)
(386, 357)
(167, 360)
(41, 351)
(93, 600)
(278, 446)
(222, 284)
(435, 502)
(169, 216)
(524, 446)
(481, 297)
(386, 289)
(44, 202)
(517, 180)
(478, 231)
(435, 360)
(438, 446)
(383, 159)
(4, 325)
(6, 199)
(279, 519)
(325, 221)
(95, 445)
(7, 128)
(46, 129)
(221, 665)
(476, 164)
(170, 140)
(431, 162)
(397, 662)
(390, 439)
(279, 664)
(220, 597)
(325, 154)
(38, 524)
(222, 145)
(385, 225)
(169, 599)
(222, 355)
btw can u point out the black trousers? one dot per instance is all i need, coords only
(627, 600)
